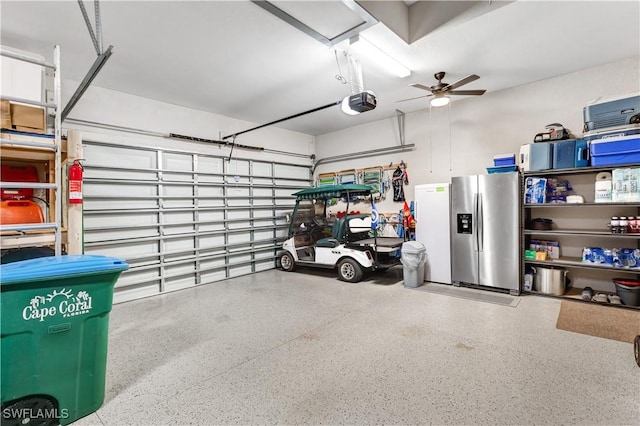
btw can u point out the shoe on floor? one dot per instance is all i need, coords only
(615, 299)
(587, 293)
(600, 297)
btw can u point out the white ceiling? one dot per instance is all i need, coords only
(234, 58)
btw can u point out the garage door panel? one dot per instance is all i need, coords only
(289, 171)
(178, 244)
(208, 227)
(211, 276)
(238, 167)
(121, 157)
(122, 233)
(264, 265)
(123, 249)
(130, 174)
(115, 204)
(98, 220)
(177, 217)
(239, 238)
(173, 161)
(109, 189)
(134, 277)
(212, 242)
(132, 293)
(210, 191)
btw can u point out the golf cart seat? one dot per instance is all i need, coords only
(337, 235)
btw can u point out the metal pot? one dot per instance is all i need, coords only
(550, 280)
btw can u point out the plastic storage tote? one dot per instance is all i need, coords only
(564, 154)
(414, 257)
(13, 173)
(615, 151)
(55, 317)
(504, 160)
(541, 156)
(582, 153)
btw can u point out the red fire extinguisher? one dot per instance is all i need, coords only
(75, 183)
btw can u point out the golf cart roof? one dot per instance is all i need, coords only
(333, 191)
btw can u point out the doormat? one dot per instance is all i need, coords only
(599, 320)
(470, 294)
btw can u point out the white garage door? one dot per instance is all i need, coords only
(182, 219)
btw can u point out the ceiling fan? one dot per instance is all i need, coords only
(439, 90)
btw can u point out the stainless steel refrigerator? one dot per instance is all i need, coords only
(485, 231)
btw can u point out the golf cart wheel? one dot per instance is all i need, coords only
(350, 271)
(636, 349)
(34, 411)
(287, 262)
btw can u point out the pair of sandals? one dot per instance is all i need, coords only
(587, 294)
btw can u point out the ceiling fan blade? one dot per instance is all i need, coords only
(417, 97)
(421, 86)
(466, 92)
(467, 79)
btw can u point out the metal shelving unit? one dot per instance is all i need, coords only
(567, 214)
(48, 233)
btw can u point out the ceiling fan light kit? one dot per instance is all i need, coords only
(441, 91)
(439, 100)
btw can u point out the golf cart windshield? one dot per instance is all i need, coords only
(304, 217)
(311, 206)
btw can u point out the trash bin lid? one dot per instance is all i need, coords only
(413, 247)
(44, 268)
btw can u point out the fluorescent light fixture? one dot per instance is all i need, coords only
(439, 100)
(364, 47)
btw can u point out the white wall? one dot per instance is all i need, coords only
(474, 129)
(122, 109)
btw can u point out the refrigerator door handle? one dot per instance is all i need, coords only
(480, 221)
(475, 223)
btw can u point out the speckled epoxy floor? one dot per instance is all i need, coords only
(293, 348)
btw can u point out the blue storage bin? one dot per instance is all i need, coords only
(541, 156)
(504, 160)
(615, 151)
(582, 153)
(502, 169)
(564, 154)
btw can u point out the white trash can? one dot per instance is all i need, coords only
(414, 257)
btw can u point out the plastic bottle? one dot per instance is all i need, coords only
(623, 224)
(615, 224)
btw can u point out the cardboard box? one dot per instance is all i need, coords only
(28, 118)
(550, 248)
(5, 114)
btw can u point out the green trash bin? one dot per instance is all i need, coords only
(54, 330)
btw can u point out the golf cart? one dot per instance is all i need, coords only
(347, 243)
